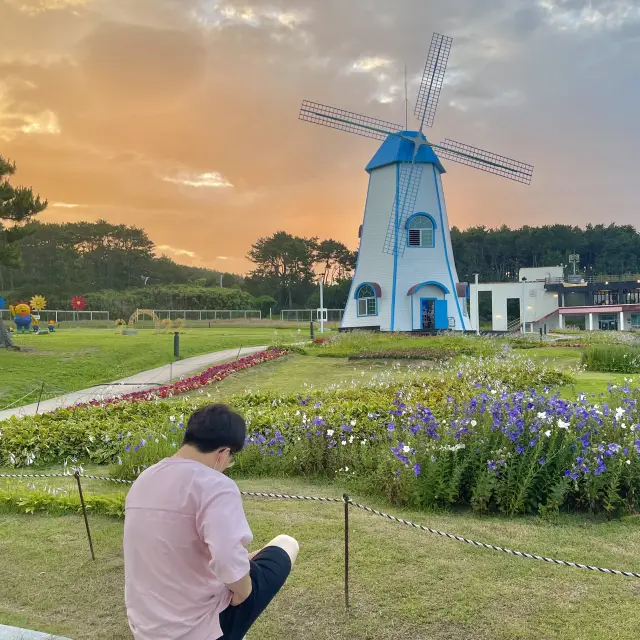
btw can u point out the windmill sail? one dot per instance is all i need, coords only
(432, 79)
(347, 121)
(485, 161)
(403, 207)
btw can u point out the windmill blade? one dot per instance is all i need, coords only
(432, 79)
(403, 208)
(485, 160)
(347, 121)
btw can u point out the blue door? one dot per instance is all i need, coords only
(442, 317)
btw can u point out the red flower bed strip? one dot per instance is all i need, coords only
(211, 375)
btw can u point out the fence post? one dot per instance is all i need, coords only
(347, 500)
(40, 397)
(84, 513)
(311, 329)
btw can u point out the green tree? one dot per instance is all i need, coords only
(286, 263)
(17, 206)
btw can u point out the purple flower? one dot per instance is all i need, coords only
(416, 469)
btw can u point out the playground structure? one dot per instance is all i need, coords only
(164, 325)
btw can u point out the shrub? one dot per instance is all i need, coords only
(357, 343)
(612, 358)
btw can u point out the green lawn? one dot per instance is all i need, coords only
(296, 373)
(404, 583)
(74, 359)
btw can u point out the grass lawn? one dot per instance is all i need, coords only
(74, 359)
(588, 382)
(404, 583)
(295, 374)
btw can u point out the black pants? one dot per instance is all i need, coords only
(269, 571)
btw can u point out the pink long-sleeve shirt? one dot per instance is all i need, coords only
(185, 538)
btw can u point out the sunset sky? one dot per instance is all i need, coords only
(181, 116)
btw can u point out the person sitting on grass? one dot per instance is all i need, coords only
(188, 573)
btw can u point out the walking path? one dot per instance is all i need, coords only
(140, 382)
(13, 633)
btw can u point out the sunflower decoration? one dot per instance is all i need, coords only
(38, 303)
(120, 322)
(78, 303)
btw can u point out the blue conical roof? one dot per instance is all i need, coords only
(398, 149)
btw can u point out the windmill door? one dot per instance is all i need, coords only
(442, 317)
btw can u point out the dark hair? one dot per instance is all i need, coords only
(215, 426)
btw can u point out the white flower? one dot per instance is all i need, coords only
(406, 448)
(363, 442)
(329, 432)
(172, 418)
(344, 443)
(12, 460)
(547, 433)
(542, 415)
(351, 440)
(628, 461)
(353, 423)
(623, 425)
(619, 413)
(563, 425)
(473, 423)
(346, 468)
(90, 438)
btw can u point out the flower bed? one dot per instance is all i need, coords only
(211, 375)
(482, 432)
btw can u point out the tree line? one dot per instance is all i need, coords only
(115, 267)
(497, 254)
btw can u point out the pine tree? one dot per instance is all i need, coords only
(17, 206)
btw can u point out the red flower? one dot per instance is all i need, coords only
(213, 374)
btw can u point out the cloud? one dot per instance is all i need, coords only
(34, 7)
(508, 98)
(210, 179)
(41, 123)
(596, 15)
(177, 252)
(64, 205)
(209, 15)
(368, 64)
(21, 116)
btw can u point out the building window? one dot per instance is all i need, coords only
(367, 301)
(421, 231)
(635, 320)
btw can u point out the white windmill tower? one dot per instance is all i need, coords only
(405, 277)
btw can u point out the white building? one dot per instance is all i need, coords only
(547, 300)
(405, 277)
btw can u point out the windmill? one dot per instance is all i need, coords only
(405, 237)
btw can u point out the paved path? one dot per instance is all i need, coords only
(13, 633)
(140, 382)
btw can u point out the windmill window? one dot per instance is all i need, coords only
(420, 231)
(367, 301)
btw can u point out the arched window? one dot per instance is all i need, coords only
(367, 301)
(420, 231)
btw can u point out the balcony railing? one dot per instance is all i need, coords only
(580, 279)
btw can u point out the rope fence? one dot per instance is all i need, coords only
(348, 503)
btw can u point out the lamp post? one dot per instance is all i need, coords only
(322, 303)
(524, 308)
